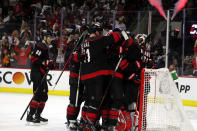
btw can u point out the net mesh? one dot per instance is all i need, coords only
(161, 108)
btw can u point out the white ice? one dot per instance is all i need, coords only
(13, 105)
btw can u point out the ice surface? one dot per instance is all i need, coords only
(13, 105)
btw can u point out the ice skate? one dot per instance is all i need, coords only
(72, 125)
(32, 121)
(42, 120)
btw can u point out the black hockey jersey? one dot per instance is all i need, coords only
(96, 62)
(39, 58)
(74, 72)
(132, 62)
(146, 58)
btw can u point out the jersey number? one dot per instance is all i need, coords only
(38, 52)
(87, 52)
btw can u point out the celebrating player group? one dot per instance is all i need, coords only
(105, 72)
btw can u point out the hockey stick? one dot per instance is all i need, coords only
(78, 43)
(109, 84)
(33, 97)
(28, 105)
(78, 84)
(126, 38)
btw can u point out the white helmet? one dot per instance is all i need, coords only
(141, 39)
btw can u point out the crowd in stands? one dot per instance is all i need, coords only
(22, 23)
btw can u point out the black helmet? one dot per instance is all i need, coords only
(116, 30)
(95, 27)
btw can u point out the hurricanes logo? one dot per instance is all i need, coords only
(18, 78)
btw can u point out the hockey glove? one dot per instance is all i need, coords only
(134, 67)
(79, 57)
(136, 77)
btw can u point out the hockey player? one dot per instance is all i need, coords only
(146, 57)
(40, 65)
(141, 59)
(96, 72)
(129, 66)
(76, 90)
(75, 87)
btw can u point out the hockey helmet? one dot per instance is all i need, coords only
(95, 27)
(141, 39)
(116, 30)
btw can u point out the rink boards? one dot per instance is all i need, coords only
(18, 81)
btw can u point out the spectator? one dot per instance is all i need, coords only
(5, 34)
(5, 58)
(25, 29)
(120, 24)
(38, 36)
(6, 44)
(188, 70)
(18, 8)
(156, 48)
(49, 12)
(15, 36)
(69, 46)
(65, 36)
(22, 55)
(161, 62)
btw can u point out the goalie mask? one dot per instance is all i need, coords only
(140, 39)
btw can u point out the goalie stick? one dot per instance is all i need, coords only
(83, 35)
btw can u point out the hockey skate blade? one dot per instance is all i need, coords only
(32, 124)
(43, 123)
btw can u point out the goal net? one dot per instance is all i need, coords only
(160, 106)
